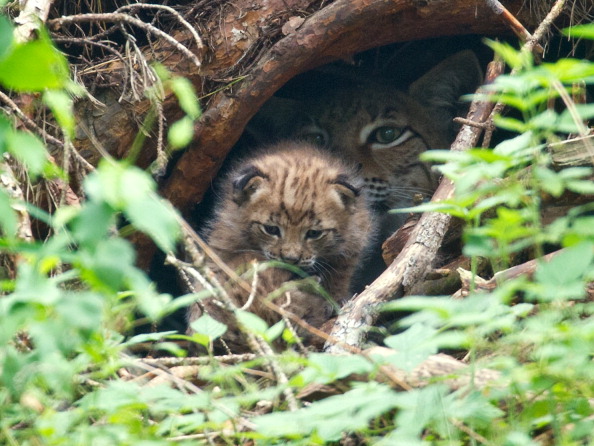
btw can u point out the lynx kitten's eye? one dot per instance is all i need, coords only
(314, 234)
(385, 135)
(271, 230)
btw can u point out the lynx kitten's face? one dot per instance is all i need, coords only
(297, 205)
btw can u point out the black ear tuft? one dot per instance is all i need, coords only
(345, 181)
(347, 190)
(245, 184)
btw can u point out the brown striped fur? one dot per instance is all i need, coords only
(299, 205)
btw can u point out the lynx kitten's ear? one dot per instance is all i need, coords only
(439, 90)
(246, 182)
(347, 190)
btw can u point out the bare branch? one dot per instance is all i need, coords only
(32, 16)
(125, 18)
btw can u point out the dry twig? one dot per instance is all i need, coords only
(125, 18)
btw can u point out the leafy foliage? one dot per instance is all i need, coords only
(64, 318)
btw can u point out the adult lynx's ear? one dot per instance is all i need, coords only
(245, 183)
(275, 120)
(439, 90)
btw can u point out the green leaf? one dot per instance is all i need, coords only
(329, 418)
(511, 124)
(181, 132)
(34, 66)
(585, 31)
(130, 190)
(550, 181)
(510, 55)
(208, 326)
(148, 337)
(93, 223)
(412, 346)
(324, 368)
(186, 95)
(516, 145)
(252, 322)
(109, 264)
(567, 70)
(562, 276)
(581, 187)
(28, 149)
(546, 120)
(156, 218)
(566, 122)
(275, 331)
(61, 105)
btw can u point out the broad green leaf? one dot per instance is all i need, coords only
(329, 418)
(546, 120)
(516, 145)
(28, 149)
(586, 31)
(109, 264)
(275, 331)
(93, 222)
(562, 276)
(156, 218)
(186, 95)
(575, 173)
(324, 368)
(510, 55)
(511, 124)
(148, 337)
(566, 122)
(568, 70)
(181, 132)
(34, 66)
(412, 346)
(252, 322)
(584, 187)
(208, 326)
(442, 156)
(550, 181)
(130, 190)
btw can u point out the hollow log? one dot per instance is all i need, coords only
(265, 44)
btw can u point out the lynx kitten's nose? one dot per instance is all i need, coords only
(290, 259)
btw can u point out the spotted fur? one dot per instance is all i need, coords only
(298, 205)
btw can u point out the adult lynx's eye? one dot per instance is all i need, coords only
(314, 234)
(271, 230)
(385, 135)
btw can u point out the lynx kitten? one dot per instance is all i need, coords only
(296, 204)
